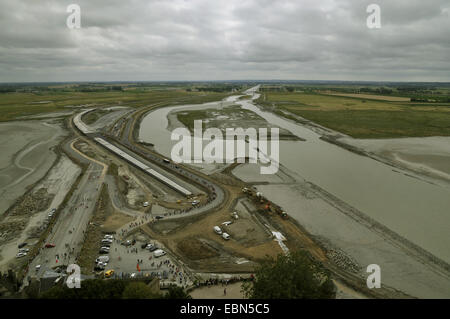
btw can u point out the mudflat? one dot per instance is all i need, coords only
(26, 156)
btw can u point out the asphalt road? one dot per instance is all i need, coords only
(68, 232)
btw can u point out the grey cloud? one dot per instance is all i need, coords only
(234, 39)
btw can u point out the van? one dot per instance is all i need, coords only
(217, 230)
(158, 253)
(225, 236)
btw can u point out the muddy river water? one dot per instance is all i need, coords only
(415, 208)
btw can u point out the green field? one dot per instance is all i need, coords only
(18, 104)
(362, 117)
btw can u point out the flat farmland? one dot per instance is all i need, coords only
(14, 105)
(373, 97)
(362, 118)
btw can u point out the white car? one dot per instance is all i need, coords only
(102, 264)
(133, 275)
(217, 230)
(108, 237)
(107, 241)
(19, 255)
(158, 253)
(104, 259)
(226, 236)
(23, 250)
(195, 202)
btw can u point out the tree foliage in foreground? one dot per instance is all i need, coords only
(296, 276)
(112, 289)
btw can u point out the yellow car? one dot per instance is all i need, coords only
(109, 273)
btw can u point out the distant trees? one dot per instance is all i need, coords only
(296, 276)
(381, 90)
(219, 89)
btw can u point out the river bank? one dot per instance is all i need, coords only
(368, 186)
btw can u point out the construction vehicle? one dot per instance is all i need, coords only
(263, 204)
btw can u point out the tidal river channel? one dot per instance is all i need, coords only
(415, 208)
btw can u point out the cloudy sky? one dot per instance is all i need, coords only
(224, 40)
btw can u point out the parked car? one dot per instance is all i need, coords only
(19, 255)
(159, 217)
(104, 250)
(217, 230)
(99, 267)
(152, 247)
(109, 273)
(126, 243)
(145, 245)
(226, 236)
(24, 250)
(104, 259)
(195, 202)
(22, 245)
(108, 237)
(159, 253)
(49, 245)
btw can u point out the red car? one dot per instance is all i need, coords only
(49, 245)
